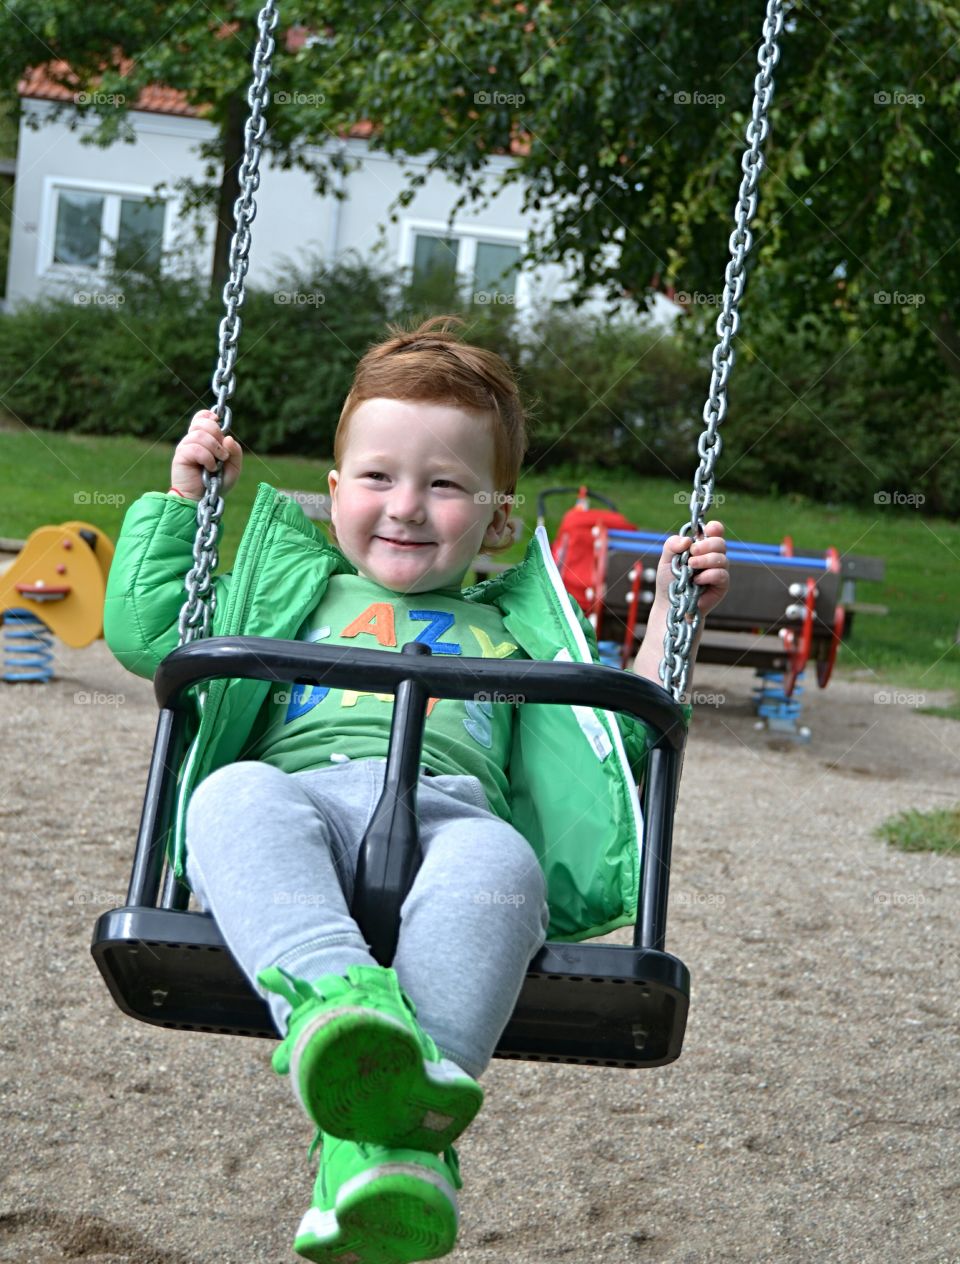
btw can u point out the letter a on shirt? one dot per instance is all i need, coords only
(376, 621)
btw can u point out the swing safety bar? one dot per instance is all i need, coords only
(602, 1004)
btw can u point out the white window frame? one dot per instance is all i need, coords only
(467, 235)
(112, 194)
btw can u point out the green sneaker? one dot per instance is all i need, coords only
(373, 1205)
(362, 1067)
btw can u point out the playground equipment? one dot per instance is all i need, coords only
(611, 1005)
(782, 609)
(55, 586)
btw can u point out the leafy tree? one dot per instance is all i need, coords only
(626, 123)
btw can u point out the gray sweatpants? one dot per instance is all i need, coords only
(272, 855)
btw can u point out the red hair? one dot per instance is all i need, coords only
(431, 364)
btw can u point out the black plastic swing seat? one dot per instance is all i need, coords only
(603, 1004)
(600, 1004)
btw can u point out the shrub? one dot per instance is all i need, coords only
(809, 412)
(609, 394)
(142, 360)
(839, 419)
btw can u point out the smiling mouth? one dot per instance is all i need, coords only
(405, 544)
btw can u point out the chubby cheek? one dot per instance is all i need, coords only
(361, 518)
(459, 523)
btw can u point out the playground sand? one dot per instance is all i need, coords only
(813, 1116)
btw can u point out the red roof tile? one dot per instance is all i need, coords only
(43, 82)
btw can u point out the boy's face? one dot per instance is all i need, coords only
(414, 499)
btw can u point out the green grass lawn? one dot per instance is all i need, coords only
(52, 477)
(938, 830)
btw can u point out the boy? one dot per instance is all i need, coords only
(281, 786)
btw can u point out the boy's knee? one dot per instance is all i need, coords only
(527, 867)
(519, 877)
(230, 785)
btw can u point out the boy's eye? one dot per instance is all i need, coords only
(377, 474)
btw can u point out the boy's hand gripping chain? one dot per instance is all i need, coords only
(197, 611)
(685, 595)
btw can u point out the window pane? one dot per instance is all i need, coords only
(141, 232)
(77, 238)
(434, 255)
(496, 268)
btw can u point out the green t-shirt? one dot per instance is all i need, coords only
(302, 727)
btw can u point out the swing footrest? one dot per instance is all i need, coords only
(598, 1004)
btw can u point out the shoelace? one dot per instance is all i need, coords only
(295, 990)
(298, 992)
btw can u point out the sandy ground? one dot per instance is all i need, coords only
(813, 1116)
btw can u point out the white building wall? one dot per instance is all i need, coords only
(162, 154)
(292, 220)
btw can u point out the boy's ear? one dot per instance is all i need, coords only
(333, 479)
(500, 529)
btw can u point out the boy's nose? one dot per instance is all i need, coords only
(406, 505)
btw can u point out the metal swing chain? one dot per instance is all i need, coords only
(684, 594)
(197, 611)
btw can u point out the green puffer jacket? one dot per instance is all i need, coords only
(572, 770)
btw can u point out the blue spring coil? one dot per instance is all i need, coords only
(610, 653)
(771, 701)
(28, 647)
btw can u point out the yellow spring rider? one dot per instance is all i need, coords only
(57, 584)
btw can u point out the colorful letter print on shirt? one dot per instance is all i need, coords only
(301, 726)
